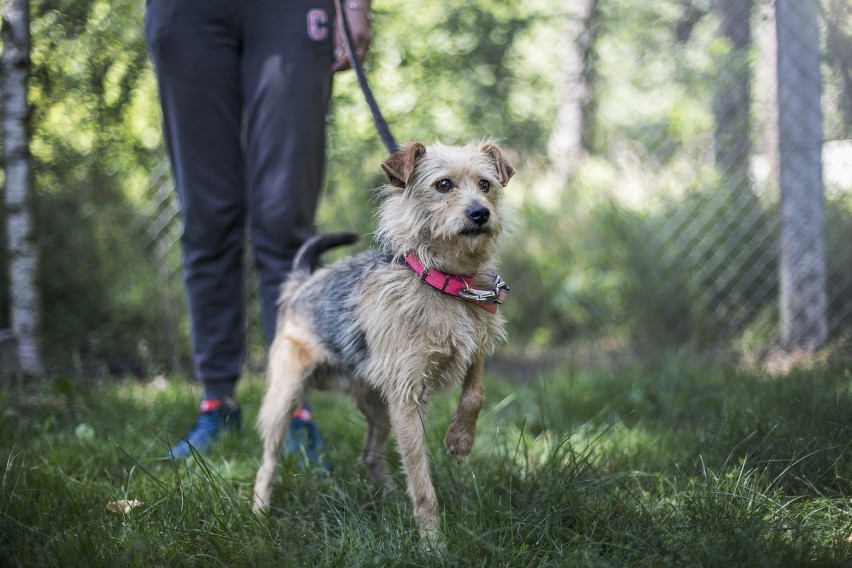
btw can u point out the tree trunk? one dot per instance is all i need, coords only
(803, 270)
(734, 282)
(23, 252)
(569, 145)
(732, 99)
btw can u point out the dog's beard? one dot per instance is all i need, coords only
(474, 231)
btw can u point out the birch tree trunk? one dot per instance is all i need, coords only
(23, 253)
(803, 270)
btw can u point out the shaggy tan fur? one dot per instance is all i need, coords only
(369, 324)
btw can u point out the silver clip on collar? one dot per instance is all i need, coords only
(496, 295)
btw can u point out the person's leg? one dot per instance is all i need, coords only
(196, 50)
(286, 82)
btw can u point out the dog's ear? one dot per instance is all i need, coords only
(400, 165)
(504, 170)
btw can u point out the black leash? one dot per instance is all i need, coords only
(378, 119)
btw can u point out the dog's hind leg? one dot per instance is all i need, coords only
(462, 430)
(411, 441)
(375, 410)
(290, 362)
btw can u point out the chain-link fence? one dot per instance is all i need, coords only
(739, 228)
(684, 168)
(159, 237)
(747, 220)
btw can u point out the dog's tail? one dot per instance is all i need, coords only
(307, 258)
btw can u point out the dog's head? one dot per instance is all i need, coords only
(445, 203)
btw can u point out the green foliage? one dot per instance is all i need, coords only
(651, 239)
(668, 462)
(112, 298)
(95, 140)
(838, 228)
(689, 270)
(449, 72)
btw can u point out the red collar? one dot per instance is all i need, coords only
(460, 286)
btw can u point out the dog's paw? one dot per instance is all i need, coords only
(260, 508)
(459, 440)
(433, 543)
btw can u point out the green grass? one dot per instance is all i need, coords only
(648, 465)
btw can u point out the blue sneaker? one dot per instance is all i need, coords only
(304, 441)
(214, 419)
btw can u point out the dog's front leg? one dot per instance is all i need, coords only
(411, 441)
(462, 430)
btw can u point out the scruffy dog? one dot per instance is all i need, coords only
(393, 324)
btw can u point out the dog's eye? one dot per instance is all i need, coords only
(484, 185)
(444, 185)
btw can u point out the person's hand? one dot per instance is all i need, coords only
(359, 15)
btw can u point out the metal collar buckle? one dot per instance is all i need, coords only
(496, 295)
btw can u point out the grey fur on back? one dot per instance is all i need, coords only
(330, 300)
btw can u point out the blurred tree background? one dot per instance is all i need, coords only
(644, 135)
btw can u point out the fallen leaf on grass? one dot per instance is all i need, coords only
(123, 506)
(85, 433)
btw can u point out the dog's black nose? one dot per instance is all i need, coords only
(479, 214)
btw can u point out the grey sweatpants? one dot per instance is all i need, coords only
(244, 87)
